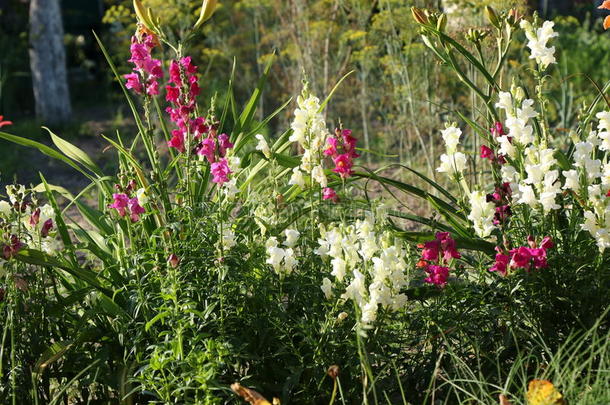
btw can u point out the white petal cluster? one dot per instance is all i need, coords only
(537, 39)
(368, 266)
(481, 214)
(604, 129)
(517, 123)
(263, 146)
(310, 132)
(453, 163)
(283, 260)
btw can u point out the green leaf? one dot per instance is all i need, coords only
(75, 153)
(47, 150)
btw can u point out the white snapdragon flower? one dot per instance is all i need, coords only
(537, 42)
(451, 136)
(228, 239)
(290, 261)
(453, 164)
(142, 196)
(604, 129)
(519, 130)
(481, 214)
(319, 176)
(339, 268)
(297, 178)
(275, 255)
(263, 146)
(506, 147)
(527, 111)
(292, 236)
(572, 180)
(505, 102)
(369, 312)
(527, 196)
(327, 288)
(551, 187)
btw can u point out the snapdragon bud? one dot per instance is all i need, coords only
(142, 13)
(208, 7)
(419, 15)
(492, 17)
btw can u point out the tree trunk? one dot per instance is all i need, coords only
(48, 62)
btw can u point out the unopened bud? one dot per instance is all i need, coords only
(207, 10)
(142, 14)
(492, 17)
(173, 260)
(419, 15)
(441, 24)
(333, 372)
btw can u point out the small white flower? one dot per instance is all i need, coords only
(142, 196)
(292, 236)
(527, 196)
(275, 257)
(339, 268)
(505, 101)
(572, 180)
(297, 178)
(342, 316)
(318, 175)
(263, 146)
(481, 214)
(327, 288)
(451, 136)
(452, 164)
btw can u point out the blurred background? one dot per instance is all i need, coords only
(53, 73)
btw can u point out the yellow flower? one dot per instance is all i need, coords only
(542, 392)
(606, 5)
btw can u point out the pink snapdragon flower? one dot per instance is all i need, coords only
(330, 194)
(120, 203)
(46, 228)
(135, 209)
(501, 264)
(523, 257)
(341, 147)
(147, 71)
(124, 205)
(436, 256)
(12, 248)
(497, 129)
(220, 171)
(437, 275)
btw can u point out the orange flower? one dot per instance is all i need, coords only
(606, 6)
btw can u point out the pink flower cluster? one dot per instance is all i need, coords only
(46, 226)
(342, 149)
(523, 257)
(435, 258)
(488, 153)
(182, 95)
(147, 71)
(124, 204)
(501, 197)
(330, 194)
(12, 248)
